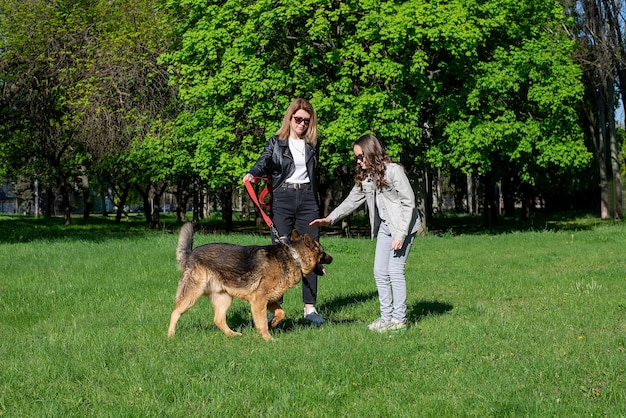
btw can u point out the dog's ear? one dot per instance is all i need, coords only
(294, 235)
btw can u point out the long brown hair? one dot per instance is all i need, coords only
(311, 132)
(376, 159)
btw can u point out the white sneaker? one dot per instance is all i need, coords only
(396, 325)
(379, 325)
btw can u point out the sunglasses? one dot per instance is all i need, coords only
(359, 158)
(299, 120)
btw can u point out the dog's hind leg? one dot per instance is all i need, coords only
(279, 314)
(259, 315)
(221, 303)
(185, 299)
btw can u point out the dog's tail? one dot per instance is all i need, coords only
(185, 244)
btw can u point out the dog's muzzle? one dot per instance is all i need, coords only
(319, 267)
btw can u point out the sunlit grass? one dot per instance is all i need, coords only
(513, 324)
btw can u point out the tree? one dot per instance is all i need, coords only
(483, 88)
(599, 29)
(487, 88)
(513, 110)
(123, 97)
(82, 82)
(40, 43)
(232, 74)
(239, 66)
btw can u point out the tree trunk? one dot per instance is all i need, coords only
(65, 205)
(438, 192)
(105, 211)
(156, 207)
(616, 169)
(601, 42)
(528, 201)
(490, 201)
(147, 204)
(182, 197)
(508, 196)
(122, 202)
(65, 201)
(472, 201)
(47, 202)
(428, 198)
(156, 214)
(195, 210)
(204, 210)
(601, 150)
(87, 203)
(227, 207)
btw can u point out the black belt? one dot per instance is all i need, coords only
(297, 186)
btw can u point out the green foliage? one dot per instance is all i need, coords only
(492, 83)
(83, 86)
(519, 112)
(343, 57)
(167, 91)
(39, 45)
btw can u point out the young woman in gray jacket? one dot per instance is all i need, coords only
(394, 219)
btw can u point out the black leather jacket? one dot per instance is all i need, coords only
(276, 161)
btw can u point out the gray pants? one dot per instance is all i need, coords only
(389, 275)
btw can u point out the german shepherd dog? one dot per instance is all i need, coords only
(258, 274)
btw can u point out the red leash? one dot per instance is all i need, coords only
(260, 202)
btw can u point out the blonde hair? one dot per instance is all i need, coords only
(311, 132)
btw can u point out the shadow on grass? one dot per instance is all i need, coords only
(456, 224)
(451, 224)
(328, 308)
(16, 228)
(97, 228)
(27, 229)
(239, 316)
(340, 302)
(424, 309)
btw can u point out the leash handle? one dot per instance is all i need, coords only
(256, 201)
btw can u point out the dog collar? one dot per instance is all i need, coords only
(294, 254)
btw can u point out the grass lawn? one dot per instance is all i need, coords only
(515, 323)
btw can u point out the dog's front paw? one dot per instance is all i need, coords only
(277, 317)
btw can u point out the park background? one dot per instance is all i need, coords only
(506, 115)
(495, 108)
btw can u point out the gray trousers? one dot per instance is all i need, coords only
(389, 275)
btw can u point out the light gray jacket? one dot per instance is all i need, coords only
(396, 199)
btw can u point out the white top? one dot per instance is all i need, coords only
(381, 214)
(300, 175)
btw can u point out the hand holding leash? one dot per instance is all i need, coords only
(248, 179)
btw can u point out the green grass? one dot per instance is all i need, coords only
(528, 323)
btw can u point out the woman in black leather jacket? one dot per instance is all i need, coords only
(290, 159)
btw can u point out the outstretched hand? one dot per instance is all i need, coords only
(320, 222)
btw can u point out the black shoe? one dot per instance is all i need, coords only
(315, 318)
